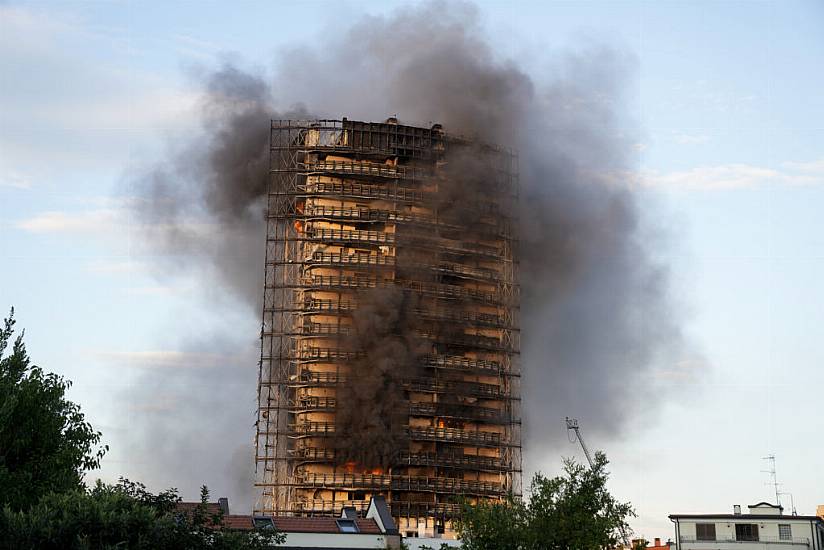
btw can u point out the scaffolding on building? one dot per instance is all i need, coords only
(355, 206)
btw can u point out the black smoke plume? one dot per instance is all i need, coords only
(596, 316)
(371, 411)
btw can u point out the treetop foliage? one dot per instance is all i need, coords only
(123, 516)
(46, 444)
(46, 447)
(574, 511)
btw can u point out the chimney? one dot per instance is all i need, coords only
(736, 509)
(223, 503)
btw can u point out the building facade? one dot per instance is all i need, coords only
(765, 526)
(390, 324)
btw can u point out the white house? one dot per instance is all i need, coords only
(764, 527)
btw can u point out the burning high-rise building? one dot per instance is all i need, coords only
(390, 322)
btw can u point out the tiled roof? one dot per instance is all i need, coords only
(322, 525)
(212, 508)
(286, 524)
(238, 523)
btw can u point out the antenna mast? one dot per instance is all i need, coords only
(771, 461)
(792, 502)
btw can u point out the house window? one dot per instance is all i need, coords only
(705, 531)
(785, 532)
(746, 531)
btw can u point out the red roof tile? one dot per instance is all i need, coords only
(322, 525)
(238, 523)
(212, 508)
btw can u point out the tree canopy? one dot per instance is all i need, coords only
(574, 511)
(119, 516)
(46, 448)
(46, 444)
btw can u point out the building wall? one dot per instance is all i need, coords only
(333, 540)
(768, 534)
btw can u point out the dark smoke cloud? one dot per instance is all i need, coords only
(206, 203)
(371, 411)
(596, 317)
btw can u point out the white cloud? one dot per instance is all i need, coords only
(115, 219)
(736, 176)
(73, 94)
(116, 266)
(100, 221)
(169, 359)
(814, 168)
(15, 180)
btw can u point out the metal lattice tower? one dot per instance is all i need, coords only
(349, 204)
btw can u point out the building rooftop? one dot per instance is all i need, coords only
(758, 511)
(379, 522)
(323, 525)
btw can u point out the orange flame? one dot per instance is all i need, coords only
(349, 467)
(298, 226)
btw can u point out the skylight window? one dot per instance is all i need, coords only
(347, 525)
(264, 522)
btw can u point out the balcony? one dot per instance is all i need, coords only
(397, 483)
(301, 430)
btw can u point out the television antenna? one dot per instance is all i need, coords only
(792, 502)
(771, 461)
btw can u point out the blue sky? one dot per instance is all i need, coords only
(728, 98)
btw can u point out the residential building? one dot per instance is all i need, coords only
(390, 340)
(373, 530)
(765, 526)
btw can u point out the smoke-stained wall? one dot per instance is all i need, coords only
(596, 313)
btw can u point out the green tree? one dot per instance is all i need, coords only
(123, 516)
(574, 511)
(46, 444)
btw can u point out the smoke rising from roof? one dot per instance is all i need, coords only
(595, 308)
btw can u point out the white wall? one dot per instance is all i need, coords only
(767, 533)
(334, 540)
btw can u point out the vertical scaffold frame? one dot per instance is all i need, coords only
(336, 189)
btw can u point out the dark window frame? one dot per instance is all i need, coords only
(747, 532)
(705, 531)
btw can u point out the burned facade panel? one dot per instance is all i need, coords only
(390, 325)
